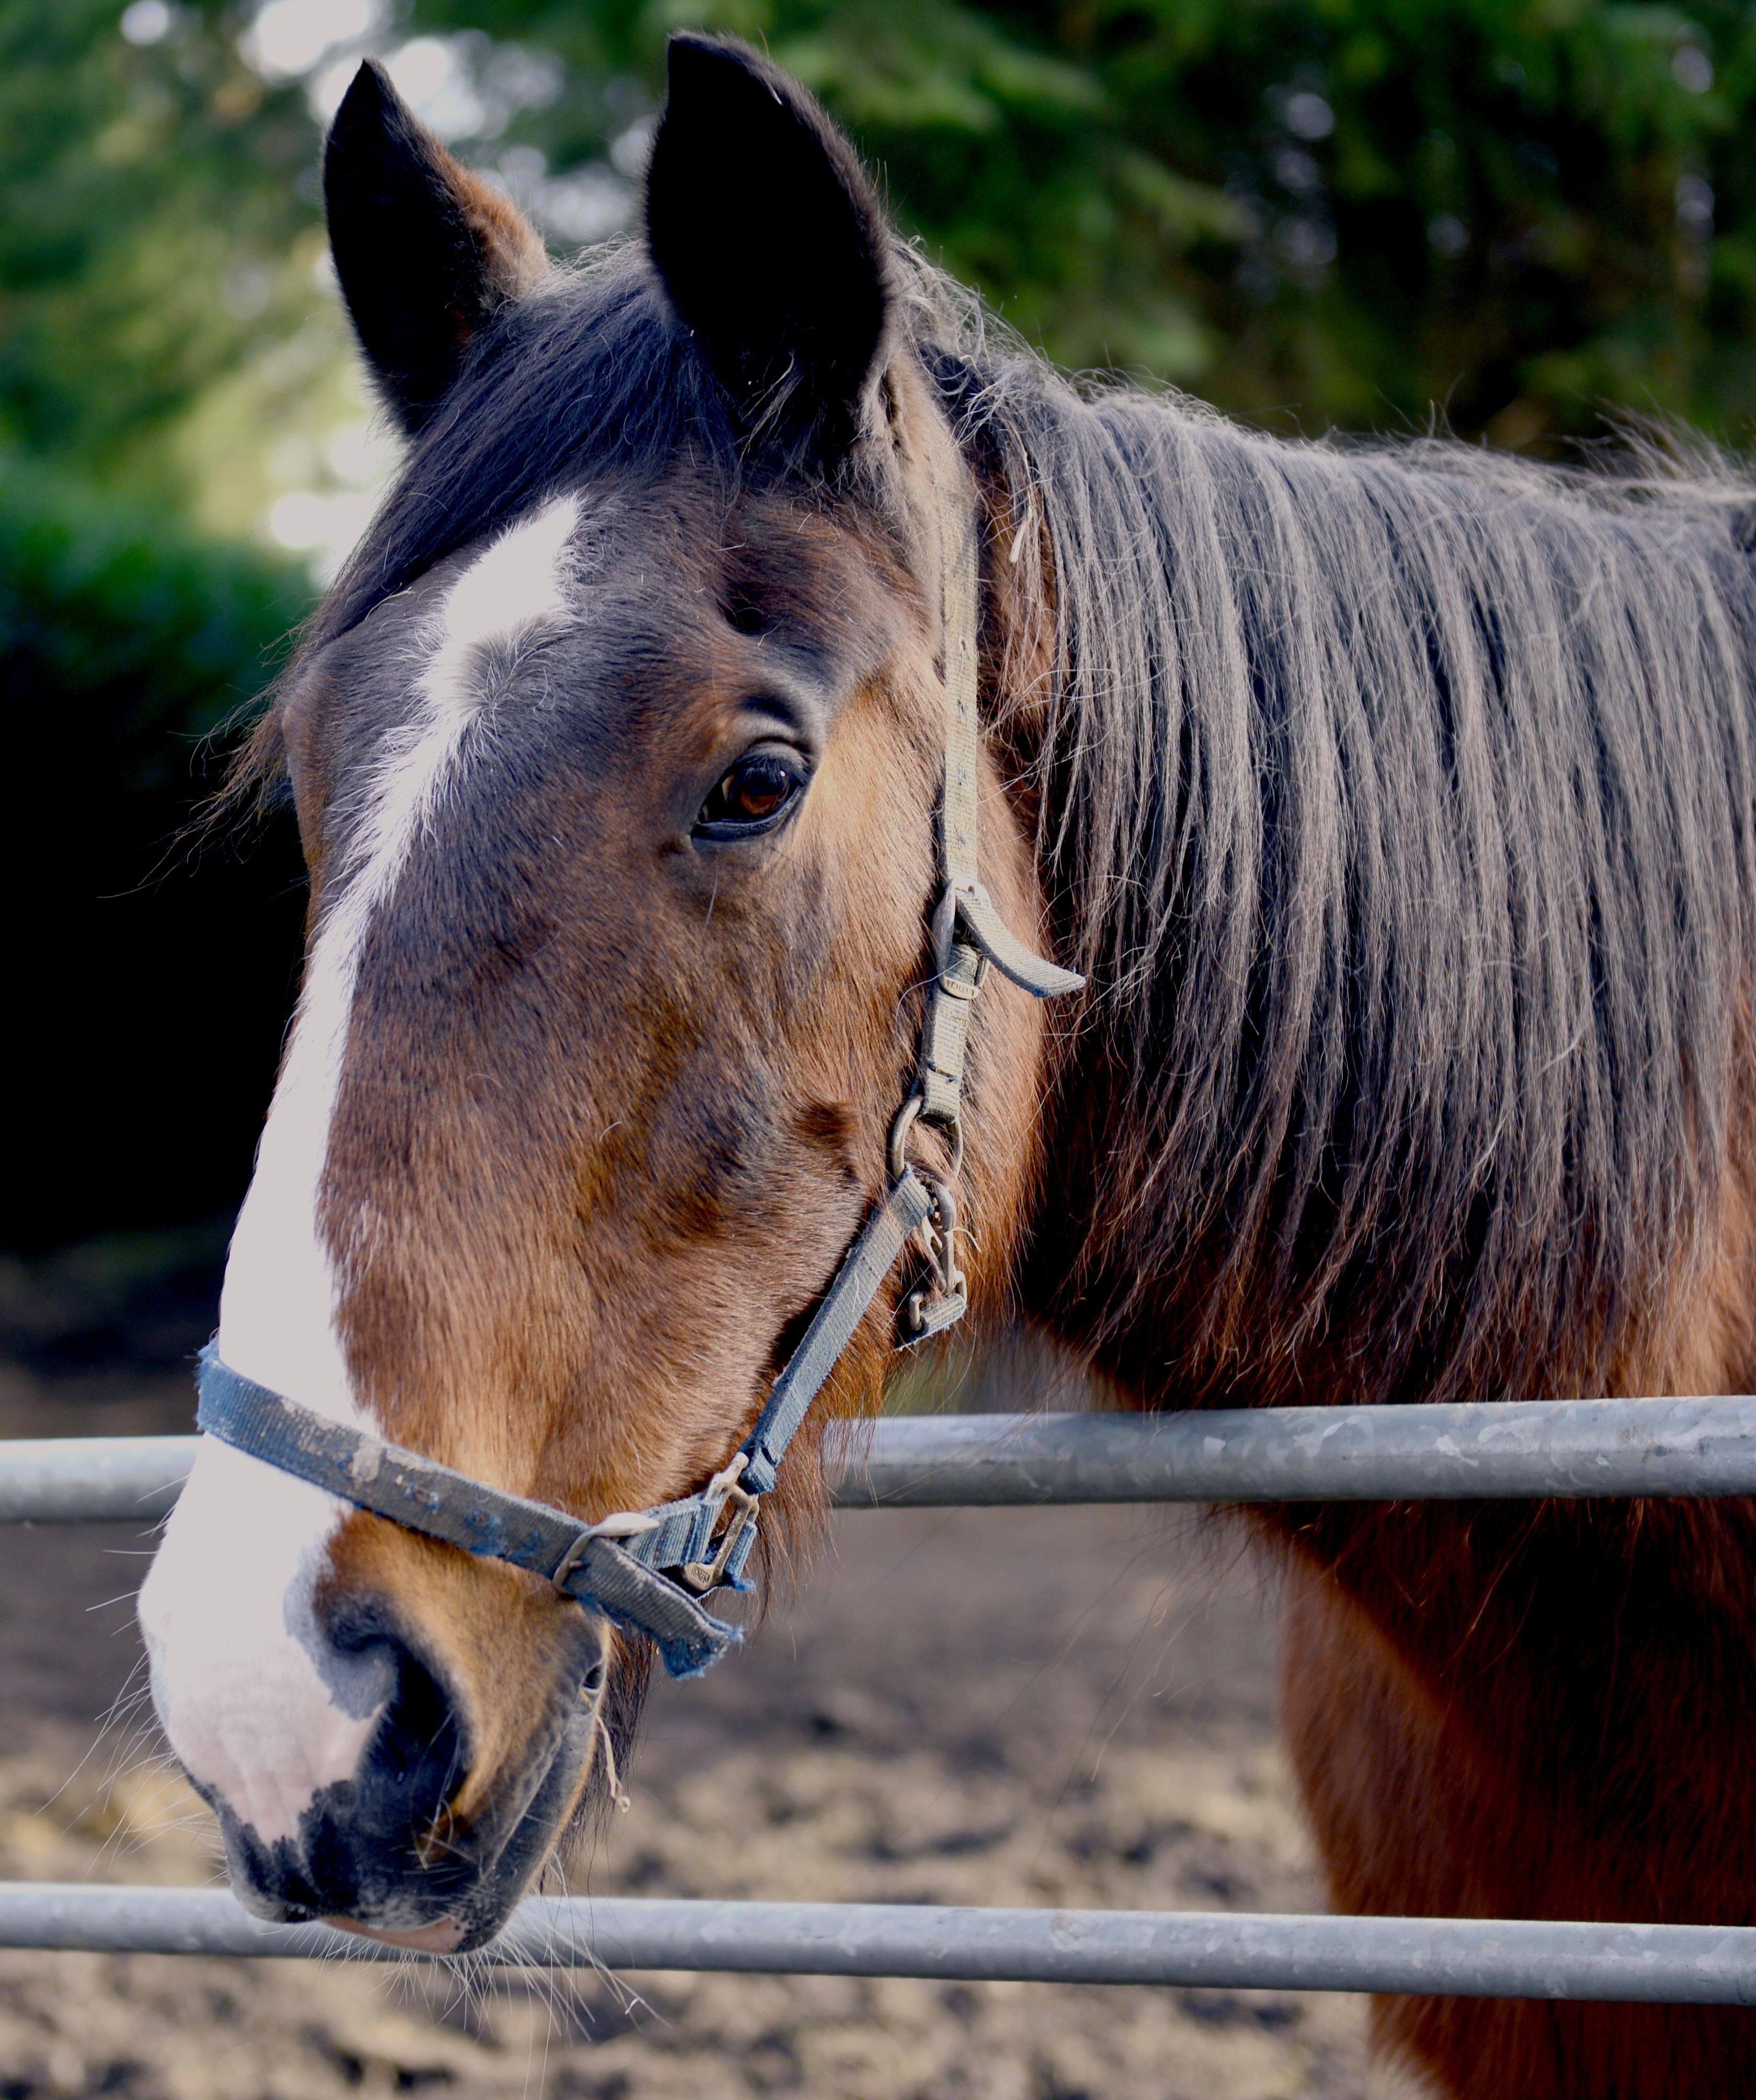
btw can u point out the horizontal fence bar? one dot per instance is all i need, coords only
(92, 1480)
(1487, 1451)
(1657, 1963)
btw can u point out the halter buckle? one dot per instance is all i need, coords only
(621, 1524)
(702, 1576)
(907, 1116)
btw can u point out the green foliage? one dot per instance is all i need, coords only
(161, 635)
(1333, 211)
(148, 198)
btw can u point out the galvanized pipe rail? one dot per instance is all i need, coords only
(1683, 1447)
(1491, 1450)
(1495, 1958)
(1487, 1451)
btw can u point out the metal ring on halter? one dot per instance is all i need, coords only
(905, 1118)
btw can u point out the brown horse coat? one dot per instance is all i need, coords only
(1398, 803)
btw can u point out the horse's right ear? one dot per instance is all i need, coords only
(769, 242)
(426, 251)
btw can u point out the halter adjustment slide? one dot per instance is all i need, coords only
(1000, 946)
(721, 1494)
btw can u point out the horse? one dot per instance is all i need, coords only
(1394, 800)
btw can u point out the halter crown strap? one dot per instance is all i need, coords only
(649, 1569)
(968, 934)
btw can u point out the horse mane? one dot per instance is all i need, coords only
(1396, 797)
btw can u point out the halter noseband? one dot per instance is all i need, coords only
(648, 1570)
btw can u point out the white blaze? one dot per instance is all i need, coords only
(225, 1606)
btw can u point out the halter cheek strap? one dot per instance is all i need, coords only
(649, 1569)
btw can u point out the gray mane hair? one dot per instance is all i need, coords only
(1398, 798)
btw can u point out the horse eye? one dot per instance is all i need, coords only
(753, 796)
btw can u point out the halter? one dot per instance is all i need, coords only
(649, 1570)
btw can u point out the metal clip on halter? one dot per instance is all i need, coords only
(942, 1299)
(704, 1575)
(648, 1570)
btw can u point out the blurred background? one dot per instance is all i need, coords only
(1502, 217)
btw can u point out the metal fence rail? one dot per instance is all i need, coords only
(1669, 1964)
(1525, 1449)
(1579, 1448)
(1620, 1448)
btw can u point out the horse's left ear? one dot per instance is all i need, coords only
(770, 241)
(426, 251)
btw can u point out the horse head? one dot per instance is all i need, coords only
(617, 756)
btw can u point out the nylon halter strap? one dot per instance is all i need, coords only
(648, 1570)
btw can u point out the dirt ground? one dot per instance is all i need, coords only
(1059, 1707)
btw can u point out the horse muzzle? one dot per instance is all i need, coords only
(386, 1849)
(392, 1736)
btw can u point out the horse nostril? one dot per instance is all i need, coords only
(415, 1760)
(418, 1752)
(375, 1841)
